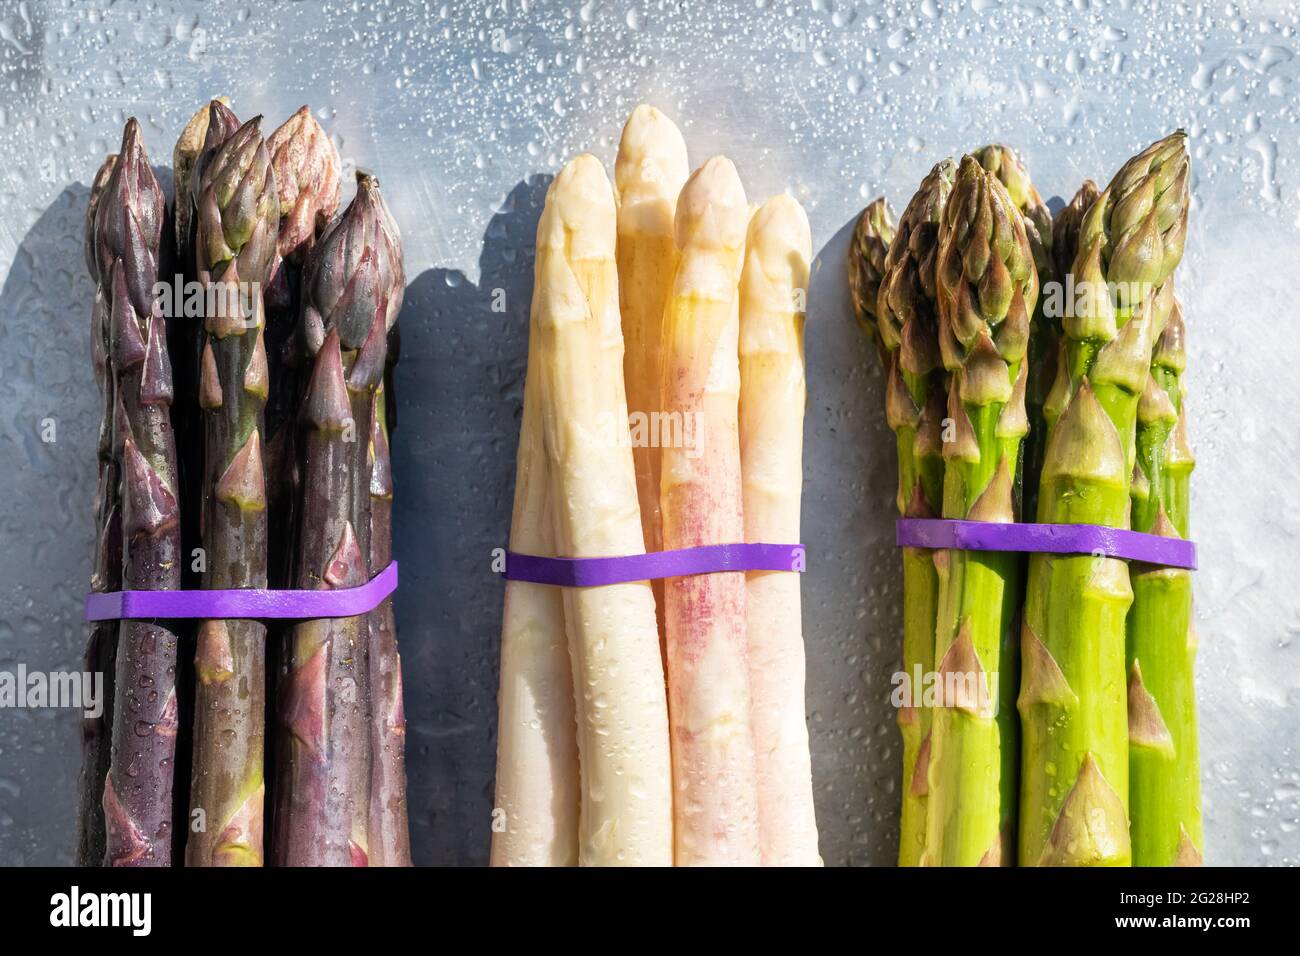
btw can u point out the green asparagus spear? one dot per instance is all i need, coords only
(128, 233)
(1003, 163)
(106, 573)
(1164, 766)
(323, 793)
(1074, 768)
(906, 332)
(238, 216)
(987, 291)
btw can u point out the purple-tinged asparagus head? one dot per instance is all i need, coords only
(129, 220)
(185, 159)
(238, 207)
(222, 123)
(354, 277)
(307, 170)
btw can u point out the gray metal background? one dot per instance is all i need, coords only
(464, 111)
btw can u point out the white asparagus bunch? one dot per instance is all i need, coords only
(649, 172)
(773, 292)
(618, 680)
(714, 773)
(535, 816)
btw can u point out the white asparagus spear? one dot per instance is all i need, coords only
(626, 796)
(535, 816)
(714, 775)
(773, 290)
(648, 174)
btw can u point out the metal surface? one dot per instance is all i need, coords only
(464, 110)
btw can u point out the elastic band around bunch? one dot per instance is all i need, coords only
(1046, 538)
(243, 603)
(706, 559)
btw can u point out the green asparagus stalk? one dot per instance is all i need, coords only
(128, 233)
(906, 325)
(390, 839)
(106, 574)
(323, 793)
(238, 215)
(1164, 766)
(1074, 768)
(1002, 162)
(987, 290)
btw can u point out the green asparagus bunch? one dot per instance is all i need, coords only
(238, 220)
(1164, 765)
(129, 221)
(987, 291)
(1074, 769)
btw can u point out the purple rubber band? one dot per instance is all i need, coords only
(1049, 538)
(249, 603)
(706, 559)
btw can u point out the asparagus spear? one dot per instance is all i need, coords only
(207, 129)
(773, 292)
(1074, 768)
(709, 705)
(987, 290)
(1164, 766)
(1002, 162)
(390, 841)
(626, 812)
(307, 170)
(128, 233)
(237, 219)
(906, 327)
(537, 750)
(106, 574)
(648, 174)
(323, 793)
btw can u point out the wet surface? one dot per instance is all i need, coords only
(464, 111)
